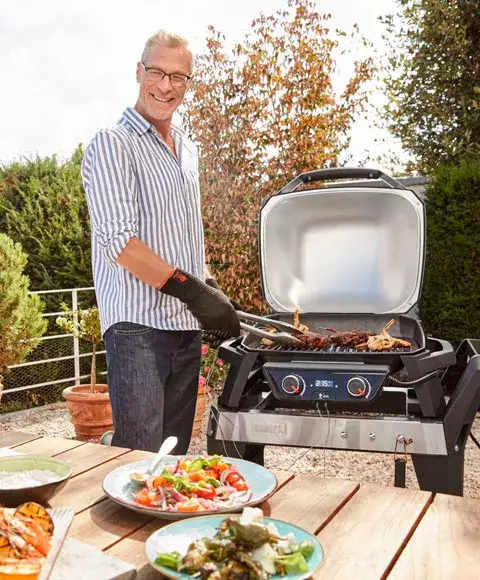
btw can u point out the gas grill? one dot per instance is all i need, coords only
(349, 257)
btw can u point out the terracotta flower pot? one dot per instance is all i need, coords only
(202, 398)
(90, 413)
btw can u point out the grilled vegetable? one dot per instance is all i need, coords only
(306, 549)
(38, 514)
(7, 549)
(172, 560)
(293, 563)
(195, 558)
(250, 536)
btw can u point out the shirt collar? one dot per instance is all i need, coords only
(133, 119)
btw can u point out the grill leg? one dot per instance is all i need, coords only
(400, 472)
(440, 474)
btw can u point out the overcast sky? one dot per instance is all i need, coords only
(68, 68)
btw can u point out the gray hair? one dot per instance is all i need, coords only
(165, 38)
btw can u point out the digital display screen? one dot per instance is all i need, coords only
(324, 384)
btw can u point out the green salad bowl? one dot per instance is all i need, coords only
(26, 491)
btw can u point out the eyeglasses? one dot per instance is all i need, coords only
(176, 79)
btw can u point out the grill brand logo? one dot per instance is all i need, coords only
(276, 429)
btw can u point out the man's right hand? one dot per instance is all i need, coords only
(209, 306)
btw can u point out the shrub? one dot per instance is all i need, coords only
(21, 322)
(450, 303)
(43, 207)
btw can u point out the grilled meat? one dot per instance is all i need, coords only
(357, 339)
(347, 339)
(312, 340)
(383, 341)
(350, 339)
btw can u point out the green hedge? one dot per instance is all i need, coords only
(43, 206)
(450, 303)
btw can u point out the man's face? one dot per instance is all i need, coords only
(159, 98)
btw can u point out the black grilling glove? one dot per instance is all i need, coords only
(209, 306)
(214, 284)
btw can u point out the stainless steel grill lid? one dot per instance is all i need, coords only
(349, 249)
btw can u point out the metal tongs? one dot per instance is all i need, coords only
(286, 335)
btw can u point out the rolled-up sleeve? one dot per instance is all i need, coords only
(109, 183)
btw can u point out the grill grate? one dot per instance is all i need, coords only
(332, 349)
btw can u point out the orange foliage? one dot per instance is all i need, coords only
(261, 115)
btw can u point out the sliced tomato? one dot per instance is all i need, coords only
(142, 497)
(241, 485)
(207, 491)
(159, 482)
(221, 466)
(146, 497)
(233, 477)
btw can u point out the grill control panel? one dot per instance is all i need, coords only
(325, 382)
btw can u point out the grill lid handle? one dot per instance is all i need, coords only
(339, 173)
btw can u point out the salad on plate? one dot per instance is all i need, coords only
(193, 485)
(244, 548)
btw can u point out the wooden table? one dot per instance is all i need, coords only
(367, 532)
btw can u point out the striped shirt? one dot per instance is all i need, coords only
(135, 186)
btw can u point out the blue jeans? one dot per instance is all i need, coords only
(153, 384)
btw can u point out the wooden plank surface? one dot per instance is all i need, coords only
(84, 490)
(367, 534)
(105, 523)
(282, 476)
(50, 446)
(13, 438)
(132, 550)
(91, 455)
(445, 545)
(309, 501)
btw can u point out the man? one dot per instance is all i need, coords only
(142, 186)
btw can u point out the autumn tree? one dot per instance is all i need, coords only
(262, 113)
(432, 80)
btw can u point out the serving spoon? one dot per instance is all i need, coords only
(166, 447)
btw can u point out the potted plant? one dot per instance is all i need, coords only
(21, 321)
(89, 404)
